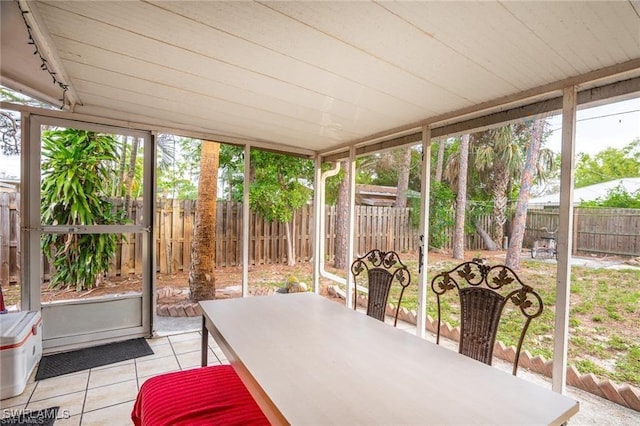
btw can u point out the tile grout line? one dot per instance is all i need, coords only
(26, 404)
(84, 400)
(135, 371)
(209, 342)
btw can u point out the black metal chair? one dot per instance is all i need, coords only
(483, 292)
(382, 270)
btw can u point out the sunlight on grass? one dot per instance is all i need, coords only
(603, 321)
(587, 366)
(628, 366)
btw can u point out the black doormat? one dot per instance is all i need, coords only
(26, 417)
(97, 356)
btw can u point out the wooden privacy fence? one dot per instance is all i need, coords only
(9, 237)
(612, 231)
(386, 228)
(602, 231)
(472, 241)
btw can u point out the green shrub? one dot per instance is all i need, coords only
(75, 187)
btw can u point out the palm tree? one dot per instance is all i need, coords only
(202, 282)
(498, 158)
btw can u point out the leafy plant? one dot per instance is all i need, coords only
(75, 177)
(278, 188)
(609, 164)
(440, 218)
(618, 197)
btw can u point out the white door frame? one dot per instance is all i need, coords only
(78, 323)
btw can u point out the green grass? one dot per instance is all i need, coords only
(628, 366)
(604, 317)
(604, 321)
(587, 366)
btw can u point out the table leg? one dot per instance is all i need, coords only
(205, 343)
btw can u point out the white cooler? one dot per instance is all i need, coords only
(20, 350)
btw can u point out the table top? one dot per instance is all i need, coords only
(308, 360)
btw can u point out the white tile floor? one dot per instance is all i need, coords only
(105, 395)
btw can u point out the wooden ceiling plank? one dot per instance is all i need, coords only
(113, 107)
(327, 51)
(272, 110)
(308, 104)
(100, 35)
(263, 123)
(419, 56)
(143, 20)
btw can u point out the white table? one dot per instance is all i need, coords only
(308, 360)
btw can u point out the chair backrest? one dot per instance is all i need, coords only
(483, 292)
(376, 272)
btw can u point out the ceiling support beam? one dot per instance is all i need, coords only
(162, 128)
(46, 47)
(29, 91)
(557, 87)
(565, 242)
(596, 95)
(548, 107)
(625, 70)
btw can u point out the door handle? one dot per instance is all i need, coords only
(420, 254)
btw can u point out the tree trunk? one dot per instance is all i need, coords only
(486, 238)
(201, 275)
(500, 184)
(117, 188)
(461, 197)
(403, 179)
(526, 182)
(290, 231)
(342, 214)
(130, 177)
(440, 162)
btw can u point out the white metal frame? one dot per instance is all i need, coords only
(569, 99)
(565, 242)
(32, 231)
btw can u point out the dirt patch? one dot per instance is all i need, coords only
(174, 288)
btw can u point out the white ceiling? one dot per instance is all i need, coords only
(314, 75)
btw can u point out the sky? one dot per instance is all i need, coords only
(613, 125)
(9, 166)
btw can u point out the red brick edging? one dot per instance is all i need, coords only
(192, 309)
(182, 309)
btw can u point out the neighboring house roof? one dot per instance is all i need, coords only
(9, 184)
(591, 192)
(377, 195)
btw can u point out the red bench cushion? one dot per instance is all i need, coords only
(203, 396)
